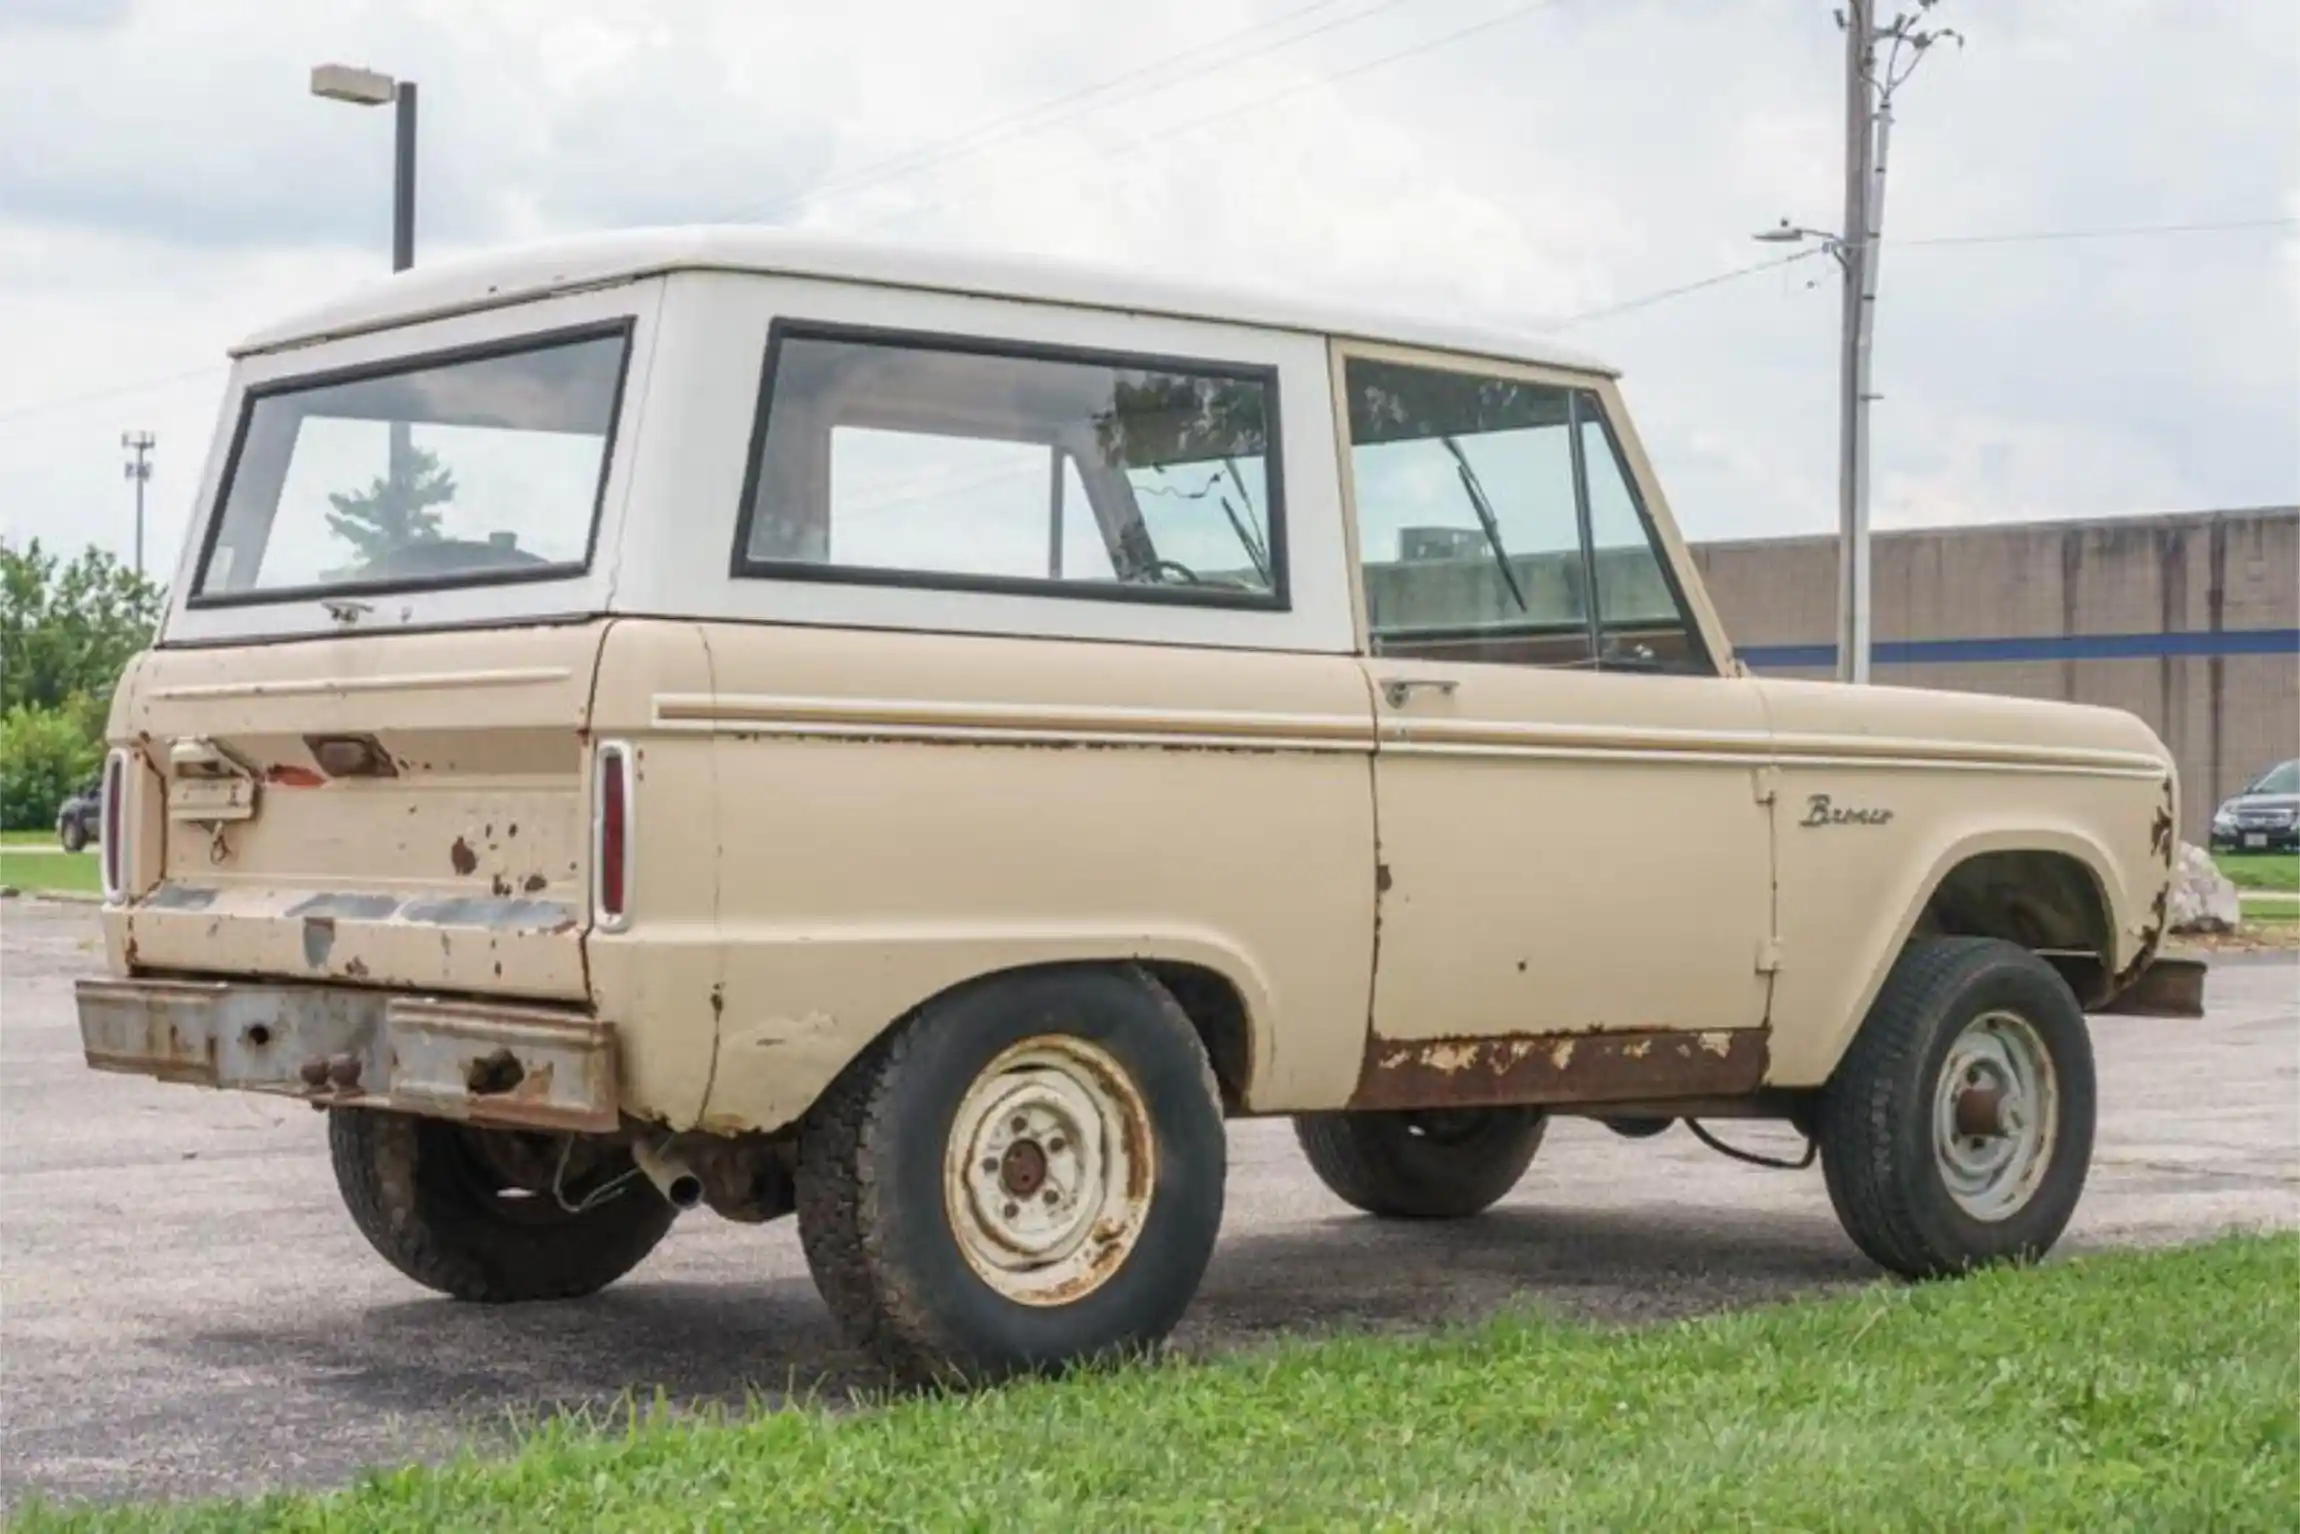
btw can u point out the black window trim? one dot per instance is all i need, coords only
(741, 566)
(622, 327)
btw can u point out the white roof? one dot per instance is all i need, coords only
(532, 271)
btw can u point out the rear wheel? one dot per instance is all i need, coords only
(1425, 1164)
(493, 1215)
(1957, 1131)
(73, 833)
(1026, 1174)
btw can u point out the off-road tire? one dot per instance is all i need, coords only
(420, 1195)
(1875, 1118)
(1403, 1166)
(73, 834)
(873, 1217)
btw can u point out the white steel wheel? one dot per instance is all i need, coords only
(1025, 1174)
(1995, 1115)
(1049, 1170)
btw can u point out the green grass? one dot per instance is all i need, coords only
(50, 872)
(2260, 870)
(27, 838)
(2141, 1391)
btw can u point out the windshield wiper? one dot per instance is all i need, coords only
(1486, 519)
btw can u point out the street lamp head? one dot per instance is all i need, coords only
(1786, 234)
(361, 87)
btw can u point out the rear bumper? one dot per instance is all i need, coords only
(484, 1063)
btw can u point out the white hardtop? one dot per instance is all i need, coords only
(463, 284)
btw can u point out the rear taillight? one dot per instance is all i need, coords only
(111, 816)
(611, 837)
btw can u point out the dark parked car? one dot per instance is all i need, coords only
(79, 820)
(2263, 818)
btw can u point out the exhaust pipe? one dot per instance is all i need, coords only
(669, 1172)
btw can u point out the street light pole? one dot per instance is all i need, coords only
(403, 176)
(368, 88)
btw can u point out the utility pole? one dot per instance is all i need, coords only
(1859, 251)
(1860, 306)
(139, 469)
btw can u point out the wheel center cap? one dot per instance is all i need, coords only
(1022, 1170)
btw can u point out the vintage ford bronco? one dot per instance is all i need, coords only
(707, 717)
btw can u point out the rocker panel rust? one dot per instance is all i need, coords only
(1560, 1068)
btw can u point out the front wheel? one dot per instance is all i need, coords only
(1429, 1164)
(1026, 1174)
(73, 833)
(493, 1215)
(1957, 1131)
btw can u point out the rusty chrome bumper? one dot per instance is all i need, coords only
(505, 1065)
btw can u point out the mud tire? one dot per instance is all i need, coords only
(878, 1229)
(1876, 1123)
(73, 834)
(1445, 1165)
(433, 1206)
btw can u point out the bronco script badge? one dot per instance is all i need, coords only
(1819, 811)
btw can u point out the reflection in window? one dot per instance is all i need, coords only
(961, 465)
(1467, 527)
(1489, 510)
(484, 468)
(1643, 623)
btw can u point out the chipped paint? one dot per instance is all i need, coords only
(1644, 1066)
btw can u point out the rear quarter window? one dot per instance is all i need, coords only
(889, 458)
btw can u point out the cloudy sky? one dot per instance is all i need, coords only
(167, 185)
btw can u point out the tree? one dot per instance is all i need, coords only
(68, 630)
(395, 510)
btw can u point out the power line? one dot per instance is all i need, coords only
(1645, 300)
(1315, 82)
(1034, 118)
(118, 391)
(1735, 274)
(2116, 232)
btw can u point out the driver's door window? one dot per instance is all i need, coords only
(1498, 522)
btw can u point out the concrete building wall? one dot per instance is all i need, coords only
(2191, 622)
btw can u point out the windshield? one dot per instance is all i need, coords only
(475, 467)
(2283, 778)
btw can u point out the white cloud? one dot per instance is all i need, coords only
(166, 184)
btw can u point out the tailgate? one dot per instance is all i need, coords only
(392, 810)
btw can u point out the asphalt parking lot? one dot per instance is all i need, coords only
(188, 1311)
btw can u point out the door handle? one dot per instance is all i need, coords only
(1399, 690)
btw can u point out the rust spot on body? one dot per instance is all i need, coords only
(1538, 1068)
(461, 855)
(357, 968)
(532, 883)
(289, 775)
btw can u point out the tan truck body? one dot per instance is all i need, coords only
(1373, 880)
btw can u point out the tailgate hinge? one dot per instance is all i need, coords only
(1769, 956)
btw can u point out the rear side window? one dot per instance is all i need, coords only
(934, 461)
(459, 468)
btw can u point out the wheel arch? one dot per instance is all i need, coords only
(2047, 890)
(766, 1077)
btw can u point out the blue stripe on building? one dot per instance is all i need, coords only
(2039, 647)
